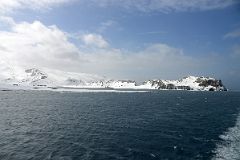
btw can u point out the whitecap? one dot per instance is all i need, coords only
(152, 155)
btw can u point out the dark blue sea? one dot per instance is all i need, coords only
(168, 125)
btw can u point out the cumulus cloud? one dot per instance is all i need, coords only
(37, 45)
(167, 5)
(7, 6)
(94, 40)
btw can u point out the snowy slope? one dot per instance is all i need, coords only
(49, 78)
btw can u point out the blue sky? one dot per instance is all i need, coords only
(128, 39)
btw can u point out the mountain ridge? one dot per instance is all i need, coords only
(34, 78)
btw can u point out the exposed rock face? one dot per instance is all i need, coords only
(120, 84)
(189, 83)
(216, 84)
(171, 86)
(183, 87)
(157, 84)
(36, 73)
(73, 81)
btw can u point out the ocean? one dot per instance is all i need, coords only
(156, 125)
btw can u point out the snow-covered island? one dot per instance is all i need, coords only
(37, 79)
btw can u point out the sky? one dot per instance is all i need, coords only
(124, 39)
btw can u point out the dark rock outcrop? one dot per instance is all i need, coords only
(158, 83)
(217, 84)
(188, 83)
(171, 86)
(36, 73)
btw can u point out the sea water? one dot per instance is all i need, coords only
(44, 125)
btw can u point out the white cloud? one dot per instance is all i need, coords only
(7, 20)
(105, 25)
(167, 5)
(95, 40)
(233, 34)
(30, 44)
(36, 45)
(155, 61)
(7, 6)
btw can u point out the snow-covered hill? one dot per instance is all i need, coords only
(51, 79)
(187, 83)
